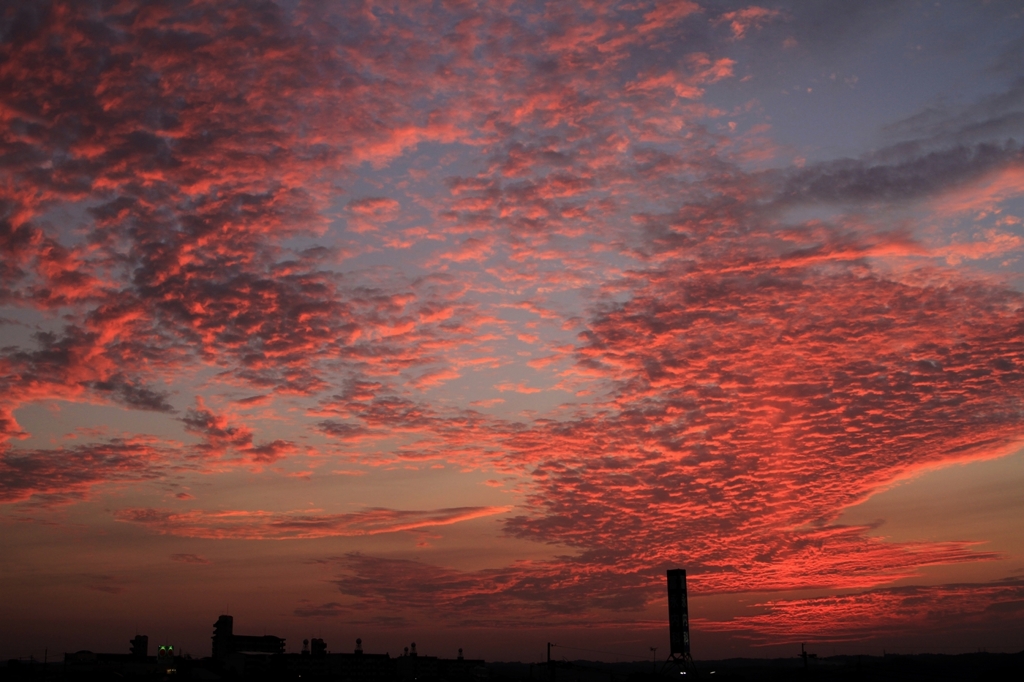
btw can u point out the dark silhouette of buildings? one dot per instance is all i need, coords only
(140, 647)
(317, 664)
(246, 657)
(226, 642)
(135, 664)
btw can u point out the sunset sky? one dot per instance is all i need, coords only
(460, 322)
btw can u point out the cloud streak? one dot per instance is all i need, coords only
(878, 613)
(264, 525)
(67, 475)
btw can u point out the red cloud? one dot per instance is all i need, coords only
(221, 439)
(880, 613)
(68, 474)
(502, 597)
(741, 20)
(263, 525)
(367, 214)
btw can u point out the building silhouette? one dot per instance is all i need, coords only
(136, 664)
(226, 642)
(237, 658)
(140, 647)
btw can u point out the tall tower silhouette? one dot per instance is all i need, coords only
(678, 623)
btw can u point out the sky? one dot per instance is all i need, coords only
(461, 322)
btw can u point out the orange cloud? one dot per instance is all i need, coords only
(262, 525)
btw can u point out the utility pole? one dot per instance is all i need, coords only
(654, 655)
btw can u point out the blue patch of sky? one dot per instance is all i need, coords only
(828, 101)
(413, 193)
(19, 325)
(48, 422)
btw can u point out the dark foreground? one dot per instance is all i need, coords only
(976, 666)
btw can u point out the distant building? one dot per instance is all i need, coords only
(241, 658)
(226, 642)
(358, 666)
(138, 663)
(140, 647)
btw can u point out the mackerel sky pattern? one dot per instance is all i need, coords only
(478, 316)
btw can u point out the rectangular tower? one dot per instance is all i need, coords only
(678, 613)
